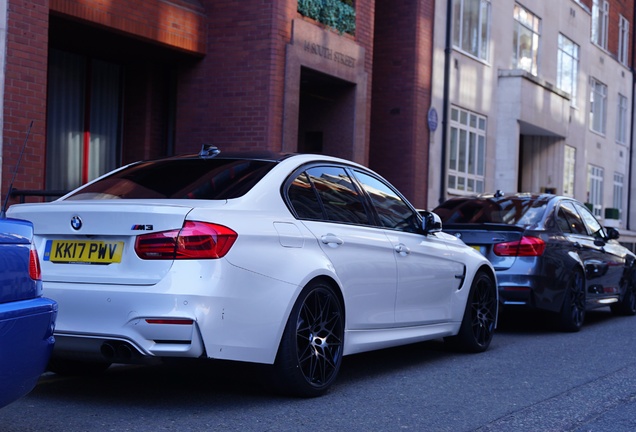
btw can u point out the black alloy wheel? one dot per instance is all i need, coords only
(573, 309)
(310, 353)
(480, 317)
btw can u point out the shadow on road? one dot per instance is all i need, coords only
(201, 383)
(524, 321)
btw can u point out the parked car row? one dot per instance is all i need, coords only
(295, 261)
(289, 260)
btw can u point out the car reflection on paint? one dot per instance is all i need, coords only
(292, 261)
(550, 253)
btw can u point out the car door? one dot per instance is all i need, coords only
(602, 269)
(333, 209)
(611, 271)
(427, 273)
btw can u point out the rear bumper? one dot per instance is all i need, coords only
(228, 314)
(530, 290)
(26, 342)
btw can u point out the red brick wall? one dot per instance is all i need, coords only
(233, 98)
(402, 71)
(225, 98)
(178, 24)
(25, 93)
(618, 8)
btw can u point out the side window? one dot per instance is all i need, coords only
(573, 219)
(393, 212)
(303, 199)
(562, 221)
(593, 226)
(339, 197)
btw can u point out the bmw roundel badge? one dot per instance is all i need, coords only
(76, 223)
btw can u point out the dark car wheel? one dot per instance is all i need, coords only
(480, 316)
(69, 367)
(573, 309)
(310, 352)
(627, 304)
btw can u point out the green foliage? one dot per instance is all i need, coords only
(612, 213)
(338, 14)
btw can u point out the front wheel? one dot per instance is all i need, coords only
(573, 309)
(480, 317)
(310, 351)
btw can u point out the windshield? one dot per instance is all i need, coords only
(505, 210)
(210, 179)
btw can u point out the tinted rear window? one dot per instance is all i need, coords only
(211, 179)
(512, 211)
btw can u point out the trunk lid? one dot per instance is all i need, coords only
(483, 237)
(94, 241)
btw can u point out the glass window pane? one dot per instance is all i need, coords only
(393, 212)
(339, 197)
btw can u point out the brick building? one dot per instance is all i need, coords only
(107, 83)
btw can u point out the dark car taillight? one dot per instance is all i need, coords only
(35, 271)
(196, 240)
(527, 246)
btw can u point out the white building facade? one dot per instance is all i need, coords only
(534, 96)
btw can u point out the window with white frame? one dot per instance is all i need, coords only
(621, 120)
(568, 67)
(466, 152)
(600, 22)
(595, 189)
(598, 106)
(568, 171)
(617, 199)
(525, 43)
(623, 40)
(471, 26)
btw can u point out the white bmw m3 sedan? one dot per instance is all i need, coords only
(288, 260)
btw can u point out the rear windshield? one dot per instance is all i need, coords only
(210, 179)
(512, 211)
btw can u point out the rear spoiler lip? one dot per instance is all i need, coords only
(482, 227)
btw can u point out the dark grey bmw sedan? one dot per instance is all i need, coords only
(549, 252)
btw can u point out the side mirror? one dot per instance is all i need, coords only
(612, 233)
(431, 222)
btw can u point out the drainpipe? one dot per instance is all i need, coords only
(631, 135)
(447, 64)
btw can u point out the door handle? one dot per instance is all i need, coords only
(402, 249)
(331, 240)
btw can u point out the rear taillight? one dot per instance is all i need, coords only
(34, 265)
(196, 240)
(527, 246)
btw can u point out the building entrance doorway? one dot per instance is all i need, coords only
(326, 114)
(540, 164)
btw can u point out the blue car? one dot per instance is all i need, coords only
(27, 319)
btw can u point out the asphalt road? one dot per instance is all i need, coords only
(533, 378)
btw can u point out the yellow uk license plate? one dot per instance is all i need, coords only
(477, 248)
(83, 251)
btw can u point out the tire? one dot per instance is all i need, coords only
(69, 367)
(627, 305)
(480, 317)
(573, 309)
(310, 352)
